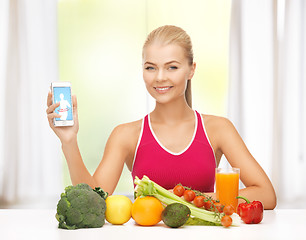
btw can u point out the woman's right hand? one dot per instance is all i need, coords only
(68, 133)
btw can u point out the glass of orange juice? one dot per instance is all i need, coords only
(227, 186)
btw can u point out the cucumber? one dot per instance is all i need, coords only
(175, 215)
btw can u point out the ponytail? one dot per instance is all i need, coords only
(188, 95)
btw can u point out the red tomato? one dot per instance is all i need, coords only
(199, 201)
(228, 210)
(219, 207)
(226, 221)
(189, 195)
(178, 190)
(207, 205)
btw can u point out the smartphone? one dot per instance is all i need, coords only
(61, 92)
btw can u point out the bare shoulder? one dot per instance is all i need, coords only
(128, 132)
(126, 136)
(217, 123)
(219, 130)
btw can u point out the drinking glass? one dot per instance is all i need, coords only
(227, 186)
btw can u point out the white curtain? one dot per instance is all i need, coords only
(267, 89)
(30, 159)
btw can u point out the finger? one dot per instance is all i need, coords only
(50, 117)
(74, 102)
(75, 106)
(49, 99)
(52, 108)
(53, 115)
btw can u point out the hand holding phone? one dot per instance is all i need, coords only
(61, 93)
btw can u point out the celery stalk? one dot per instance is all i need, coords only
(147, 187)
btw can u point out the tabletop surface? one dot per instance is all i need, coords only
(41, 224)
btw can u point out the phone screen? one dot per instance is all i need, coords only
(63, 96)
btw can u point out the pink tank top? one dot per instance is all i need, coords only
(193, 167)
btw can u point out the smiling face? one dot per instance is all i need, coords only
(166, 70)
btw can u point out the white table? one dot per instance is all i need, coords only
(41, 224)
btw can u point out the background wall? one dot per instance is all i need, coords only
(97, 46)
(100, 45)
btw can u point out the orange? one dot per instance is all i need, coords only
(146, 211)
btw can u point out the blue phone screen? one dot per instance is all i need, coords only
(63, 95)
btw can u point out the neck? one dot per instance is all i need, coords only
(172, 112)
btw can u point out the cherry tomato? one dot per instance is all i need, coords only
(228, 210)
(199, 201)
(178, 190)
(226, 221)
(189, 195)
(207, 205)
(219, 207)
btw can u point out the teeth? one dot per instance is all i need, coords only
(164, 88)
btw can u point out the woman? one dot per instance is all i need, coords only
(173, 144)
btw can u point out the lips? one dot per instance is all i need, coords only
(163, 89)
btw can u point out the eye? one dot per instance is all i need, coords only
(173, 67)
(149, 68)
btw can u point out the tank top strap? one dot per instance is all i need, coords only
(201, 134)
(147, 136)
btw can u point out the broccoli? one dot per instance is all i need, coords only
(81, 207)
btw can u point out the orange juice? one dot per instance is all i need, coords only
(227, 186)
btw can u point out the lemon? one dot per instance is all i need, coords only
(118, 209)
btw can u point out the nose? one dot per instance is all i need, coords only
(161, 75)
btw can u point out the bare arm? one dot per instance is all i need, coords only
(258, 185)
(77, 169)
(118, 148)
(110, 168)
(68, 137)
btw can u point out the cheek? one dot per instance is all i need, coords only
(148, 79)
(181, 78)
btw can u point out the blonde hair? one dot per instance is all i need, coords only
(170, 34)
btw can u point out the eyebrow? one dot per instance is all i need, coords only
(167, 63)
